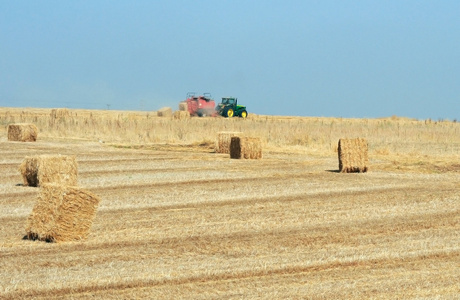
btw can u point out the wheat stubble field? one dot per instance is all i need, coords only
(178, 220)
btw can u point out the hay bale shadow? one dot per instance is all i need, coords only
(34, 237)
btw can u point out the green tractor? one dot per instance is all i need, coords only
(229, 108)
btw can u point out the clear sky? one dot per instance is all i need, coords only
(363, 59)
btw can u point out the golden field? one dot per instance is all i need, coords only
(178, 220)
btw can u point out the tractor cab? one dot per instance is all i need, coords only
(229, 101)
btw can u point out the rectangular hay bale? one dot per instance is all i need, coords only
(61, 213)
(41, 169)
(245, 147)
(181, 115)
(183, 106)
(224, 139)
(22, 132)
(59, 113)
(165, 112)
(353, 156)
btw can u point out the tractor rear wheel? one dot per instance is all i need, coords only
(243, 114)
(229, 113)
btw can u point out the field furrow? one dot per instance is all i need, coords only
(189, 223)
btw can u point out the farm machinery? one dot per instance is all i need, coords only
(204, 105)
(229, 108)
(200, 106)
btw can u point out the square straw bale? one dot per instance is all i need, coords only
(353, 157)
(61, 213)
(22, 132)
(165, 112)
(245, 147)
(183, 106)
(60, 113)
(41, 169)
(181, 115)
(224, 139)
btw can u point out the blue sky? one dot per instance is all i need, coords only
(360, 59)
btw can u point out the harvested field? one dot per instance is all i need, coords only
(181, 221)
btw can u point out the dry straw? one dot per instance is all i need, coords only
(224, 139)
(183, 106)
(245, 147)
(22, 132)
(353, 155)
(181, 115)
(165, 112)
(61, 213)
(38, 170)
(60, 113)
